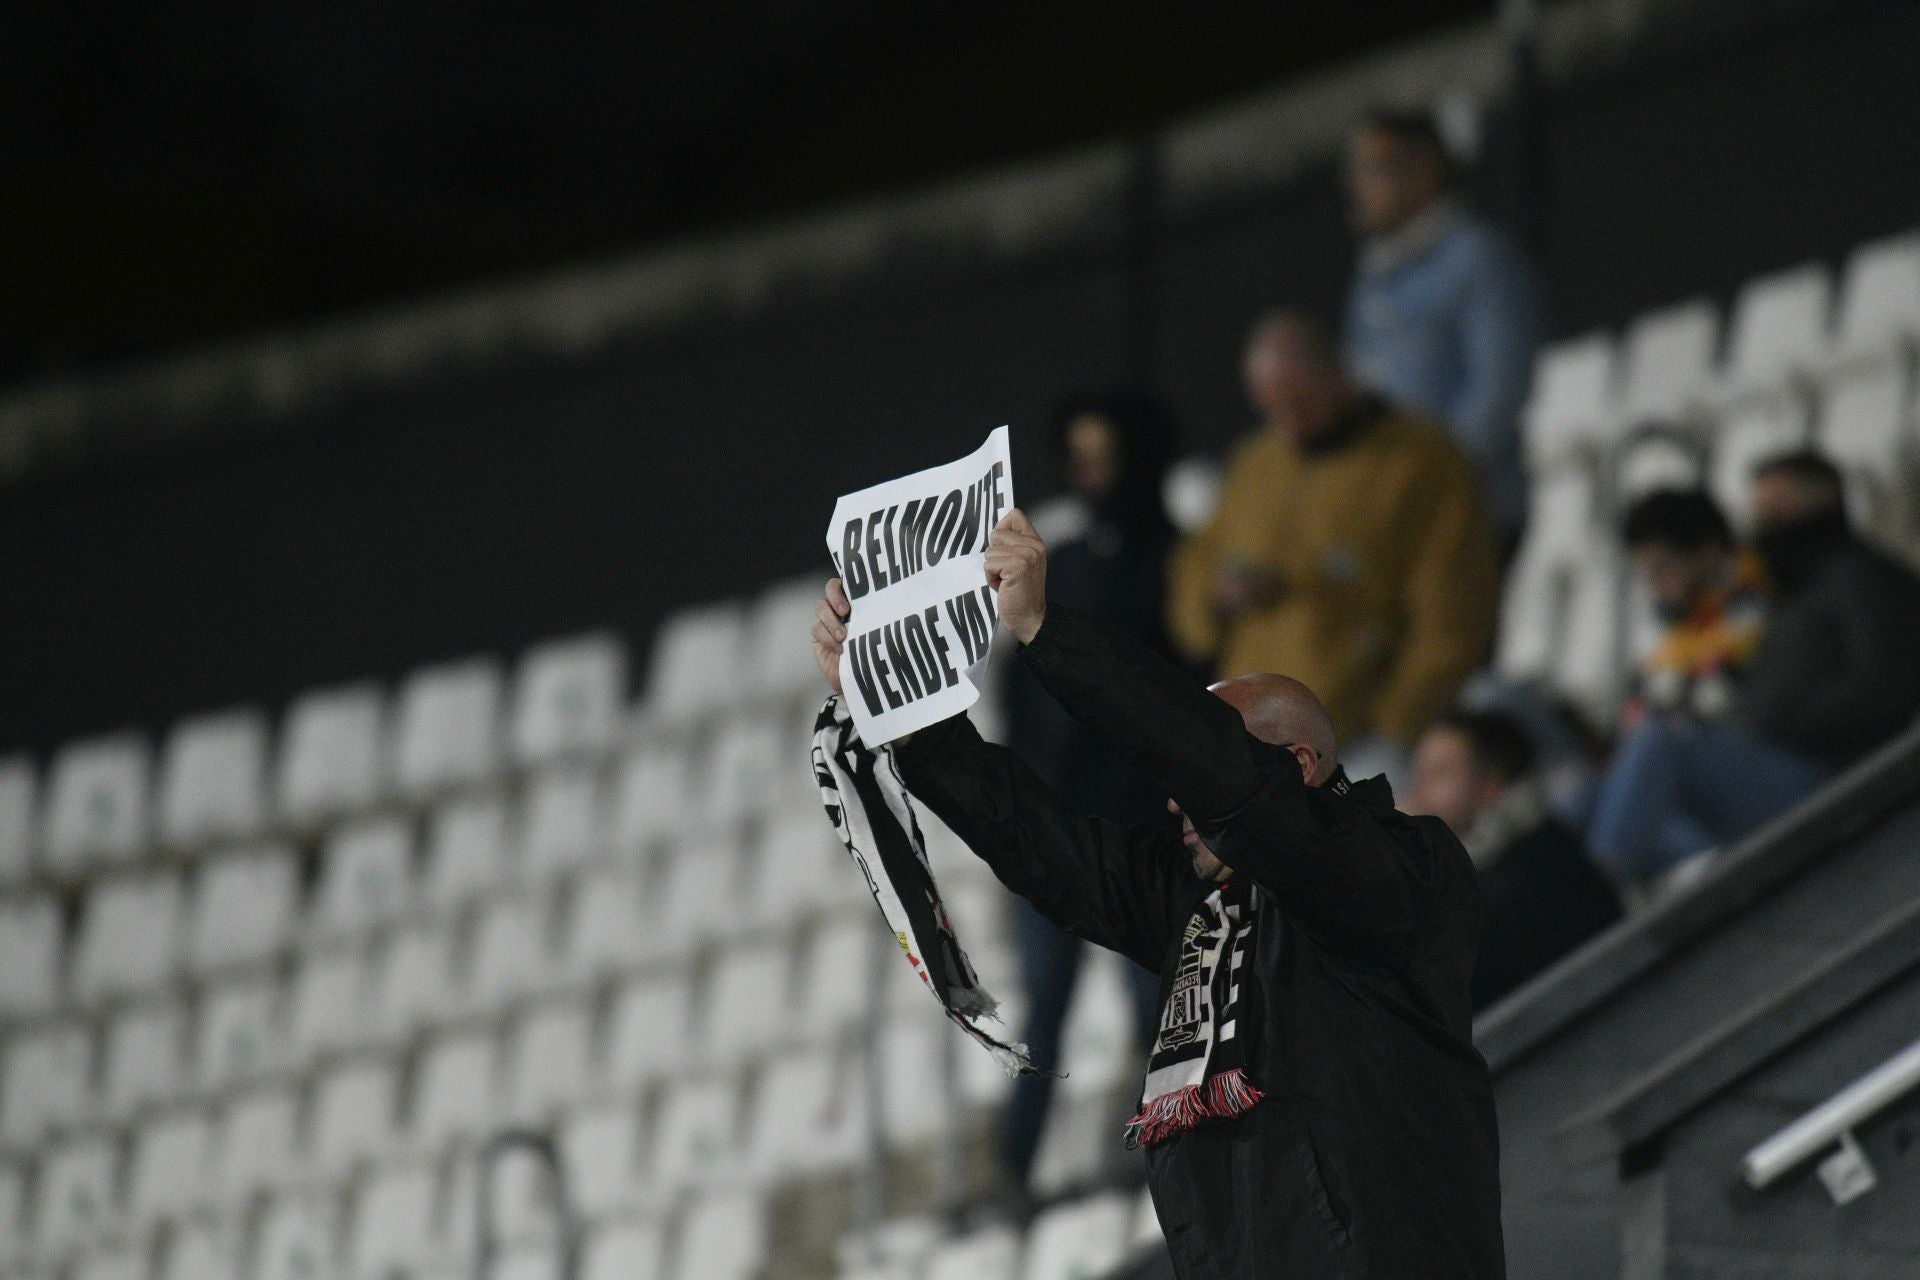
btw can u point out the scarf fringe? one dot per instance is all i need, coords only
(1228, 1094)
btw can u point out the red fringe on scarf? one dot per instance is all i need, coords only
(1227, 1094)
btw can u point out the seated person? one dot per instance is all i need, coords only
(1540, 896)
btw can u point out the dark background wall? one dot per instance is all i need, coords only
(482, 511)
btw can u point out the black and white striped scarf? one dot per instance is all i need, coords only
(867, 800)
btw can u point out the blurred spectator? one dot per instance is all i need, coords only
(1444, 316)
(1540, 896)
(1113, 453)
(1832, 675)
(1706, 592)
(1350, 549)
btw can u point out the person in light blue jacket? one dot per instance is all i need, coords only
(1445, 314)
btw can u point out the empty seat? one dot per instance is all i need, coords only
(448, 732)
(1668, 364)
(541, 1263)
(743, 769)
(1745, 439)
(1879, 311)
(260, 1146)
(510, 954)
(600, 1150)
(651, 798)
(1571, 410)
(1100, 1046)
(329, 1007)
(993, 1254)
(836, 969)
(243, 909)
(550, 1060)
(1562, 525)
(29, 956)
(78, 1198)
(97, 803)
(746, 1003)
(916, 1100)
(1656, 460)
(725, 1237)
(167, 1179)
(454, 1092)
(143, 1058)
(200, 1253)
(413, 983)
(466, 852)
(1589, 667)
(354, 1116)
(563, 822)
(213, 778)
(332, 752)
(295, 1240)
(240, 1036)
(683, 908)
(569, 697)
(696, 665)
(129, 938)
(1084, 1238)
(809, 1114)
(611, 926)
(13, 1213)
(18, 818)
(366, 877)
(44, 1074)
(624, 1251)
(778, 639)
(698, 1143)
(650, 1035)
(1778, 330)
(800, 867)
(393, 1223)
(1866, 426)
(119, 1263)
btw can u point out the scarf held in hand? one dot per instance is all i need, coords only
(871, 812)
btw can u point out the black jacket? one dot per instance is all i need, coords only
(1541, 897)
(1374, 1152)
(1836, 673)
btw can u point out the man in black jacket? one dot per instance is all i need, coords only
(1313, 1106)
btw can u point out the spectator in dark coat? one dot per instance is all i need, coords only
(1114, 451)
(1540, 896)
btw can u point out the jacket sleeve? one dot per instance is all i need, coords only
(1450, 596)
(1128, 889)
(1333, 866)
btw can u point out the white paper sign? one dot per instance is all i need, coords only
(912, 554)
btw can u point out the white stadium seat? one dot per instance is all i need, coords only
(466, 852)
(112, 1264)
(1866, 425)
(916, 1102)
(295, 1241)
(725, 1237)
(746, 1003)
(1562, 526)
(809, 1114)
(778, 644)
(366, 878)
(44, 1078)
(13, 1215)
(611, 926)
(1085, 1238)
(550, 1060)
(511, 959)
(448, 727)
(329, 1011)
(1100, 1046)
(244, 907)
(413, 982)
(743, 769)
(241, 1037)
(1570, 410)
(600, 1152)
(393, 1222)
(1654, 460)
(166, 1180)
(213, 778)
(455, 1092)
(129, 939)
(200, 1253)
(992, 1254)
(695, 892)
(142, 1048)
(527, 1264)
(651, 1031)
(1667, 369)
(569, 697)
(1778, 330)
(697, 666)
(625, 1251)
(19, 830)
(1746, 438)
(78, 1198)
(563, 821)
(1879, 312)
(799, 867)
(261, 1146)
(29, 956)
(651, 798)
(97, 803)
(835, 969)
(332, 754)
(354, 1116)
(698, 1136)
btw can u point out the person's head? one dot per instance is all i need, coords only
(1114, 448)
(1277, 710)
(1796, 488)
(1464, 763)
(1680, 543)
(1398, 165)
(1294, 375)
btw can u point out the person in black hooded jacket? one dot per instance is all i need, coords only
(1314, 1105)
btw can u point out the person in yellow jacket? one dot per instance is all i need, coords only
(1350, 549)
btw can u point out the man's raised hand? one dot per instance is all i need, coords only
(1017, 570)
(830, 631)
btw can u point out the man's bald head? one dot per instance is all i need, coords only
(1284, 712)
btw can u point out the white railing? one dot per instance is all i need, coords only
(1831, 1124)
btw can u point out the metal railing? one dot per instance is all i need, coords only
(1846, 1173)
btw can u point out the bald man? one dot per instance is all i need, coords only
(1313, 1105)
